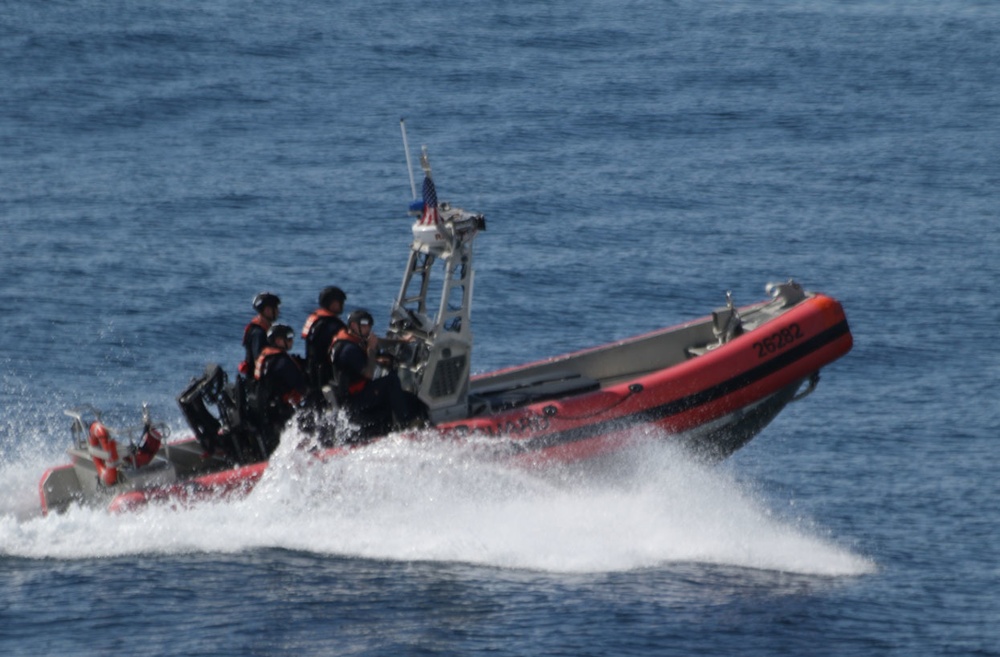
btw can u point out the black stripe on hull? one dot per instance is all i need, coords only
(689, 402)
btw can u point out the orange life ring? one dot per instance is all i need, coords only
(100, 439)
(147, 447)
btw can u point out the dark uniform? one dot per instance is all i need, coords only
(281, 386)
(255, 333)
(376, 405)
(318, 333)
(254, 341)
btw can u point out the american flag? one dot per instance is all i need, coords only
(430, 216)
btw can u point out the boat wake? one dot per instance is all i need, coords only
(407, 500)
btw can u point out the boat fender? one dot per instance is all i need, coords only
(103, 445)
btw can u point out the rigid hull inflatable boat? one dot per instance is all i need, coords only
(711, 384)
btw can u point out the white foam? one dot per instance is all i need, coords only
(404, 500)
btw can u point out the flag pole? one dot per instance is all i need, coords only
(409, 165)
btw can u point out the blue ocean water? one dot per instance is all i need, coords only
(162, 163)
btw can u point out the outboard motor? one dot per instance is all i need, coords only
(230, 430)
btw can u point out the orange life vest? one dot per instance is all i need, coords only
(261, 321)
(261, 365)
(312, 319)
(260, 370)
(354, 387)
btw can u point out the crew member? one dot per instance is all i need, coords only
(376, 405)
(255, 333)
(281, 384)
(318, 332)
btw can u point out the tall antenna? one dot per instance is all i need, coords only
(409, 166)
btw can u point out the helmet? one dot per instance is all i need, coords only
(361, 316)
(280, 331)
(265, 299)
(330, 294)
